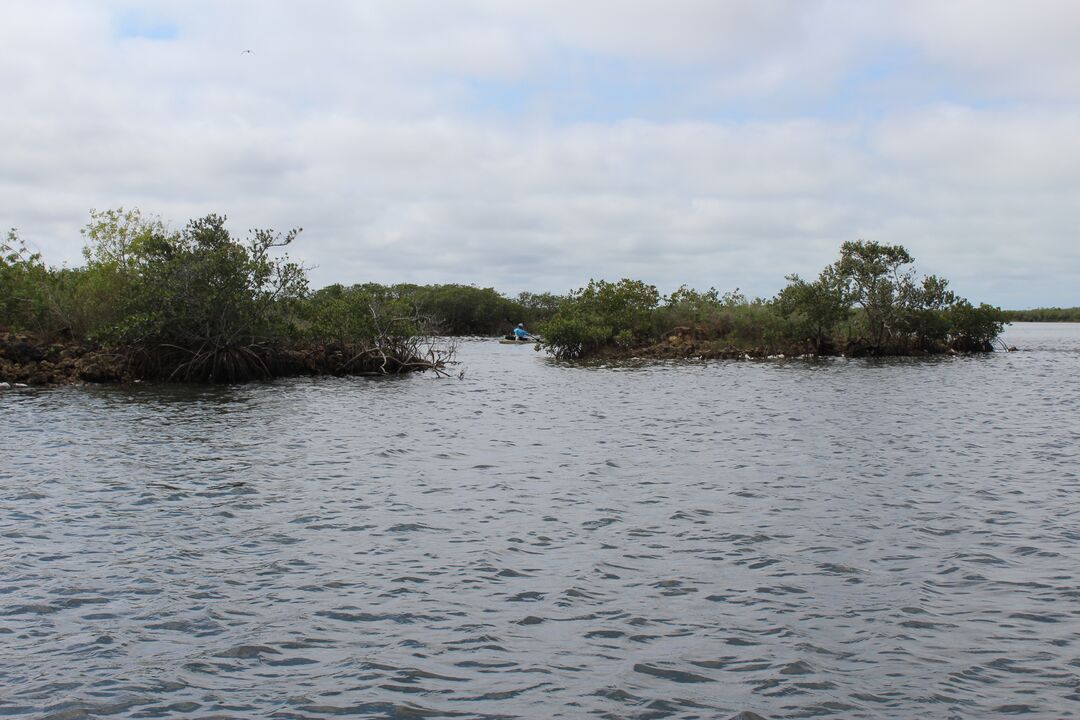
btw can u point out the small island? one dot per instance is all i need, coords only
(199, 305)
(870, 302)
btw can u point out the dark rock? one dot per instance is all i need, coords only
(19, 351)
(38, 378)
(97, 369)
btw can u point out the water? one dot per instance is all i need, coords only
(796, 539)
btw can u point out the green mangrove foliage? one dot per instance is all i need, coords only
(465, 309)
(450, 310)
(869, 302)
(24, 285)
(602, 314)
(198, 304)
(814, 309)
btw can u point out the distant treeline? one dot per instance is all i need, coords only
(456, 310)
(1044, 315)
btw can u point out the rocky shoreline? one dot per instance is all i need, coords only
(685, 343)
(27, 360)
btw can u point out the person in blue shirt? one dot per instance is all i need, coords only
(520, 333)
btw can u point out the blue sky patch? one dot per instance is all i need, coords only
(135, 25)
(573, 86)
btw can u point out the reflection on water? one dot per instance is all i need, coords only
(797, 539)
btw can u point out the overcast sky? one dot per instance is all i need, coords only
(534, 144)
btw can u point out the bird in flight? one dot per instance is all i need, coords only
(248, 52)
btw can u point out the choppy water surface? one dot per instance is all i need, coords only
(793, 539)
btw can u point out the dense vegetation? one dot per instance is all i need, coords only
(1044, 315)
(869, 302)
(196, 304)
(461, 310)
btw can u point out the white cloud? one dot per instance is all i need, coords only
(1005, 48)
(355, 121)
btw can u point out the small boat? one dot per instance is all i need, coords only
(515, 341)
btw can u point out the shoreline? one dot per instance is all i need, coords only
(685, 344)
(29, 361)
(33, 362)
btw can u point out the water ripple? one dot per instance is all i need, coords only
(848, 539)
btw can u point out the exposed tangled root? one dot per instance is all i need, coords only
(29, 360)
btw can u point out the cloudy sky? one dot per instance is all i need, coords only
(533, 144)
